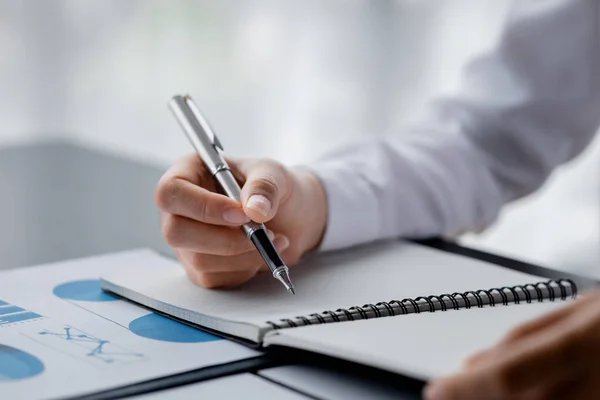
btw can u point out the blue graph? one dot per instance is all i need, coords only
(151, 326)
(10, 314)
(154, 326)
(93, 347)
(16, 364)
(84, 290)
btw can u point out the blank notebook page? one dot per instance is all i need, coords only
(393, 270)
(424, 346)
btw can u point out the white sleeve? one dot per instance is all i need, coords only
(530, 104)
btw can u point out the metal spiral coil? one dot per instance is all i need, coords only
(505, 295)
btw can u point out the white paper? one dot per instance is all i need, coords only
(68, 338)
(423, 346)
(243, 387)
(370, 274)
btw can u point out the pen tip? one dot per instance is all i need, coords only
(281, 274)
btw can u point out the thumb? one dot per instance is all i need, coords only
(266, 185)
(465, 386)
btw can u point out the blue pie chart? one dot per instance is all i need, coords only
(157, 327)
(84, 290)
(16, 364)
(151, 326)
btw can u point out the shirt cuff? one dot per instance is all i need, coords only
(353, 216)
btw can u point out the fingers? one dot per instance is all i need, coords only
(521, 332)
(538, 324)
(187, 189)
(215, 272)
(265, 188)
(472, 386)
(184, 233)
(209, 263)
(220, 280)
(545, 359)
(474, 360)
(526, 329)
(478, 385)
(534, 363)
(204, 227)
(213, 280)
(518, 333)
(180, 197)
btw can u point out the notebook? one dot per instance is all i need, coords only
(366, 291)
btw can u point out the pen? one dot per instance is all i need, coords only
(210, 150)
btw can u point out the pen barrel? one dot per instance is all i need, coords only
(199, 133)
(228, 184)
(267, 251)
(208, 147)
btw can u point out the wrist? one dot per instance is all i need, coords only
(314, 209)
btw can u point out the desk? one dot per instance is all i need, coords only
(62, 201)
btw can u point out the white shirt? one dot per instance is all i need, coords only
(530, 104)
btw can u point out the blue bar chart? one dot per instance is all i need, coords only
(10, 314)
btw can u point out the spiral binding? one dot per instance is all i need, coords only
(505, 295)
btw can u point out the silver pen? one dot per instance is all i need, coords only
(210, 150)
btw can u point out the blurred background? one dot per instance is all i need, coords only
(277, 78)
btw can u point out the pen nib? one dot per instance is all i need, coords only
(283, 276)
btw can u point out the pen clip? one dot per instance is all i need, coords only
(216, 143)
(210, 133)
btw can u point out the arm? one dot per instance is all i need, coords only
(529, 105)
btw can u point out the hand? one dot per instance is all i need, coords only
(554, 357)
(204, 227)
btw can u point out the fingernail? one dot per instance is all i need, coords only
(259, 203)
(270, 234)
(281, 243)
(434, 391)
(235, 216)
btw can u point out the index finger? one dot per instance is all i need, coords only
(185, 190)
(192, 169)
